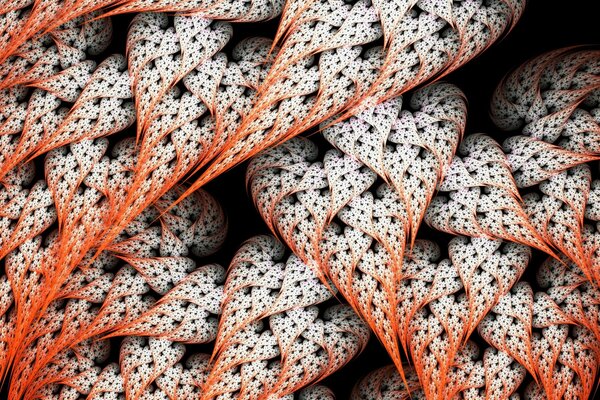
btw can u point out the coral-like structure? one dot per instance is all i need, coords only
(334, 214)
(554, 98)
(475, 264)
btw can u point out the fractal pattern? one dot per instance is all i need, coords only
(293, 200)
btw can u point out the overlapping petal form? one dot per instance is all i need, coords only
(555, 98)
(103, 251)
(334, 217)
(386, 384)
(414, 302)
(149, 365)
(235, 10)
(188, 98)
(72, 373)
(26, 208)
(24, 20)
(488, 270)
(362, 250)
(161, 52)
(316, 392)
(542, 332)
(273, 339)
(86, 187)
(83, 102)
(105, 297)
(592, 208)
(491, 375)
(151, 369)
(558, 213)
(508, 325)
(433, 38)
(323, 70)
(482, 199)
(440, 304)
(178, 381)
(410, 150)
(566, 356)
(64, 48)
(566, 284)
(533, 161)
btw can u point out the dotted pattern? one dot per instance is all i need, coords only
(273, 339)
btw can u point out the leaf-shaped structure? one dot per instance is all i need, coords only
(591, 246)
(66, 46)
(488, 270)
(533, 161)
(322, 70)
(441, 304)
(87, 188)
(26, 208)
(186, 313)
(196, 226)
(566, 359)
(493, 375)
(27, 19)
(94, 301)
(235, 10)
(85, 185)
(591, 230)
(558, 213)
(541, 332)
(437, 327)
(409, 150)
(147, 362)
(566, 284)
(188, 99)
(161, 53)
(432, 38)
(71, 373)
(272, 338)
(482, 199)
(555, 98)
(178, 130)
(315, 392)
(331, 214)
(179, 381)
(386, 384)
(105, 247)
(326, 214)
(299, 197)
(433, 315)
(101, 105)
(508, 326)
(41, 366)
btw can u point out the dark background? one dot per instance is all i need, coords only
(545, 25)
